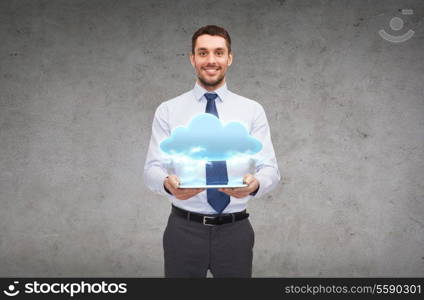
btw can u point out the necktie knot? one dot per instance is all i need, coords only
(211, 96)
(210, 106)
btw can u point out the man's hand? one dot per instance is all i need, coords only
(253, 185)
(172, 183)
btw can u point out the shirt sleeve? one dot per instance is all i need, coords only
(266, 168)
(156, 166)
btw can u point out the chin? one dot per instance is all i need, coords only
(211, 83)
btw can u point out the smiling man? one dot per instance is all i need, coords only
(211, 69)
(209, 229)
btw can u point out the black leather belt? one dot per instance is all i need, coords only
(210, 220)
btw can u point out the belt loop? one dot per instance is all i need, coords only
(188, 216)
(234, 217)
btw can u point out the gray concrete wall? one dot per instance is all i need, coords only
(79, 83)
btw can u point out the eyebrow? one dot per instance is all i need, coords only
(200, 49)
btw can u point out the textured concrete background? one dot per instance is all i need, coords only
(79, 83)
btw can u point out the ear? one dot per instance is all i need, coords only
(230, 59)
(191, 56)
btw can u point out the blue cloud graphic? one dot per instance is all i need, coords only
(205, 138)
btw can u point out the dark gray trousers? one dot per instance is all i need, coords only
(191, 248)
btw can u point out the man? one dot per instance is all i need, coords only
(209, 229)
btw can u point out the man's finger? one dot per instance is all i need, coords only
(229, 192)
(174, 182)
(236, 192)
(248, 178)
(198, 190)
(188, 192)
(239, 190)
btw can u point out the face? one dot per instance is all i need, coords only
(211, 61)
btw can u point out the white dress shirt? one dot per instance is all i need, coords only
(231, 108)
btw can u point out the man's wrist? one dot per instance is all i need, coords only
(255, 191)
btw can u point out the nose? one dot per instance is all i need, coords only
(211, 59)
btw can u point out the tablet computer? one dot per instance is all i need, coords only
(210, 186)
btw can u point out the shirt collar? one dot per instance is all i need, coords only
(199, 91)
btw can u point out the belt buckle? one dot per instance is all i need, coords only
(205, 218)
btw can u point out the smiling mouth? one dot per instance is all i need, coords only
(211, 71)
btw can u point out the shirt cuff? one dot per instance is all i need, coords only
(166, 190)
(255, 192)
(264, 182)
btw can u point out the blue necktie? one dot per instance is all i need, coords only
(216, 171)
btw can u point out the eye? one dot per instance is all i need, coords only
(202, 53)
(220, 53)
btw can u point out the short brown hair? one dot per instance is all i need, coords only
(211, 30)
